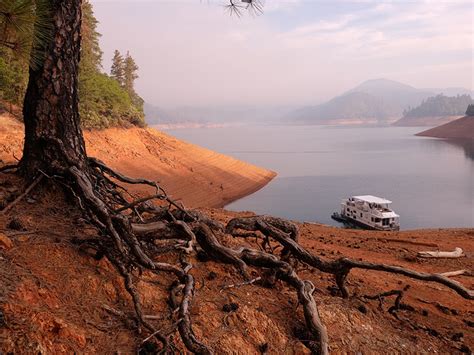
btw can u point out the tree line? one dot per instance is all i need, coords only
(104, 100)
(440, 105)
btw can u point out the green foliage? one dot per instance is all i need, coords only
(440, 105)
(470, 110)
(24, 33)
(130, 69)
(117, 69)
(13, 77)
(107, 103)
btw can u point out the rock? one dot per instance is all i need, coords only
(16, 224)
(2, 320)
(362, 309)
(212, 275)
(5, 242)
(23, 238)
(230, 307)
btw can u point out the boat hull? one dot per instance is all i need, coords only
(353, 222)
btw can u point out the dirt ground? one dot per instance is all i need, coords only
(55, 297)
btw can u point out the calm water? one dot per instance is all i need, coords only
(431, 181)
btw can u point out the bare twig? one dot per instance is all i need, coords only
(26, 192)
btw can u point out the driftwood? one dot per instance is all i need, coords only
(457, 273)
(456, 253)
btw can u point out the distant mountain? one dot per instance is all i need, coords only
(436, 110)
(212, 116)
(379, 101)
(350, 108)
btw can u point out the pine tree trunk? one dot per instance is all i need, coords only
(53, 135)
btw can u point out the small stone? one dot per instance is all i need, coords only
(30, 200)
(263, 348)
(362, 308)
(23, 238)
(469, 323)
(2, 320)
(212, 275)
(16, 224)
(5, 242)
(230, 307)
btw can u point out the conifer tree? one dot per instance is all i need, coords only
(117, 69)
(130, 74)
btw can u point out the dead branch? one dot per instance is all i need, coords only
(249, 282)
(26, 192)
(7, 168)
(139, 201)
(457, 273)
(456, 253)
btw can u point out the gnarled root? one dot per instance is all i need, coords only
(244, 256)
(340, 268)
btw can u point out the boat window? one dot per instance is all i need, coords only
(361, 214)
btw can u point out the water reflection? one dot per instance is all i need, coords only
(467, 145)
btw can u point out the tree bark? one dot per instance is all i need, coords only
(53, 135)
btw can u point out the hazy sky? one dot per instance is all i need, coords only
(190, 52)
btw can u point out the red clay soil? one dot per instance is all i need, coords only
(462, 128)
(56, 298)
(196, 176)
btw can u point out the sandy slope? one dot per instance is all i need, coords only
(461, 128)
(424, 121)
(196, 176)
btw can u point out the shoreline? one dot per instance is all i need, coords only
(195, 176)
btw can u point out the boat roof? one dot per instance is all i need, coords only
(371, 199)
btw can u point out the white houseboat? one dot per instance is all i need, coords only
(369, 212)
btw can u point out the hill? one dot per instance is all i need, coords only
(379, 101)
(196, 176)
(436, 110)
(350, 108)
(462, 128)
(212, 116)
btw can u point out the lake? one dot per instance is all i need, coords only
(430, 181)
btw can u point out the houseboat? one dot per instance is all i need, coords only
(368, 212)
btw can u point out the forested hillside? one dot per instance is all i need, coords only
(440, 105)
(104, 100)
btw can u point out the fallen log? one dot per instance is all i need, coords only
(456, 253)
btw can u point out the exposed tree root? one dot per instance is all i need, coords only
(135, 233)
(340, 268)
(244, 256)
(8, 168)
